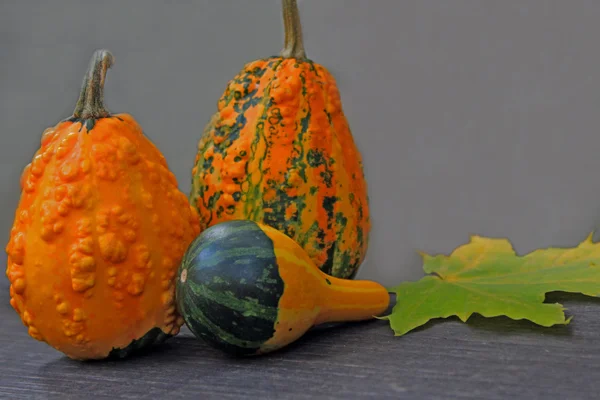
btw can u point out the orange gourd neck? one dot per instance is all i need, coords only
(351, 300)
(90, 105)
(293, 42)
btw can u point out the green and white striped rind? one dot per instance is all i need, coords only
(228, 288)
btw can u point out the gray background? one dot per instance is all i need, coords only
(473, 117)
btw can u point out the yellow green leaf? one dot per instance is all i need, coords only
(487, 277)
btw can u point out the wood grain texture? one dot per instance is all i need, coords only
(487, 358)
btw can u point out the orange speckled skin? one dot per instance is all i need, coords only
(279, 151)
(97, 238)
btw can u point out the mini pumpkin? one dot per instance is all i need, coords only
(98, 233)
(279, 151)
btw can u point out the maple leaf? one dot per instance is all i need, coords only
(487, 277)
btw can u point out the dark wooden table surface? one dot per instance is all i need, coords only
(485, 359)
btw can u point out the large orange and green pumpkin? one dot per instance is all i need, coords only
(98, 234)
(279, 151)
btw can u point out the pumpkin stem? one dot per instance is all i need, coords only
(294, 42)
(90, 104)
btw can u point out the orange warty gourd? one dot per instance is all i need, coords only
(98, 234)
(279, 151)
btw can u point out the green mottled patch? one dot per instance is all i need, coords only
(153, 337)
(315, 158)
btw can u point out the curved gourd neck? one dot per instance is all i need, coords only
(90, 104)
(294, 41)
(347, 300)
